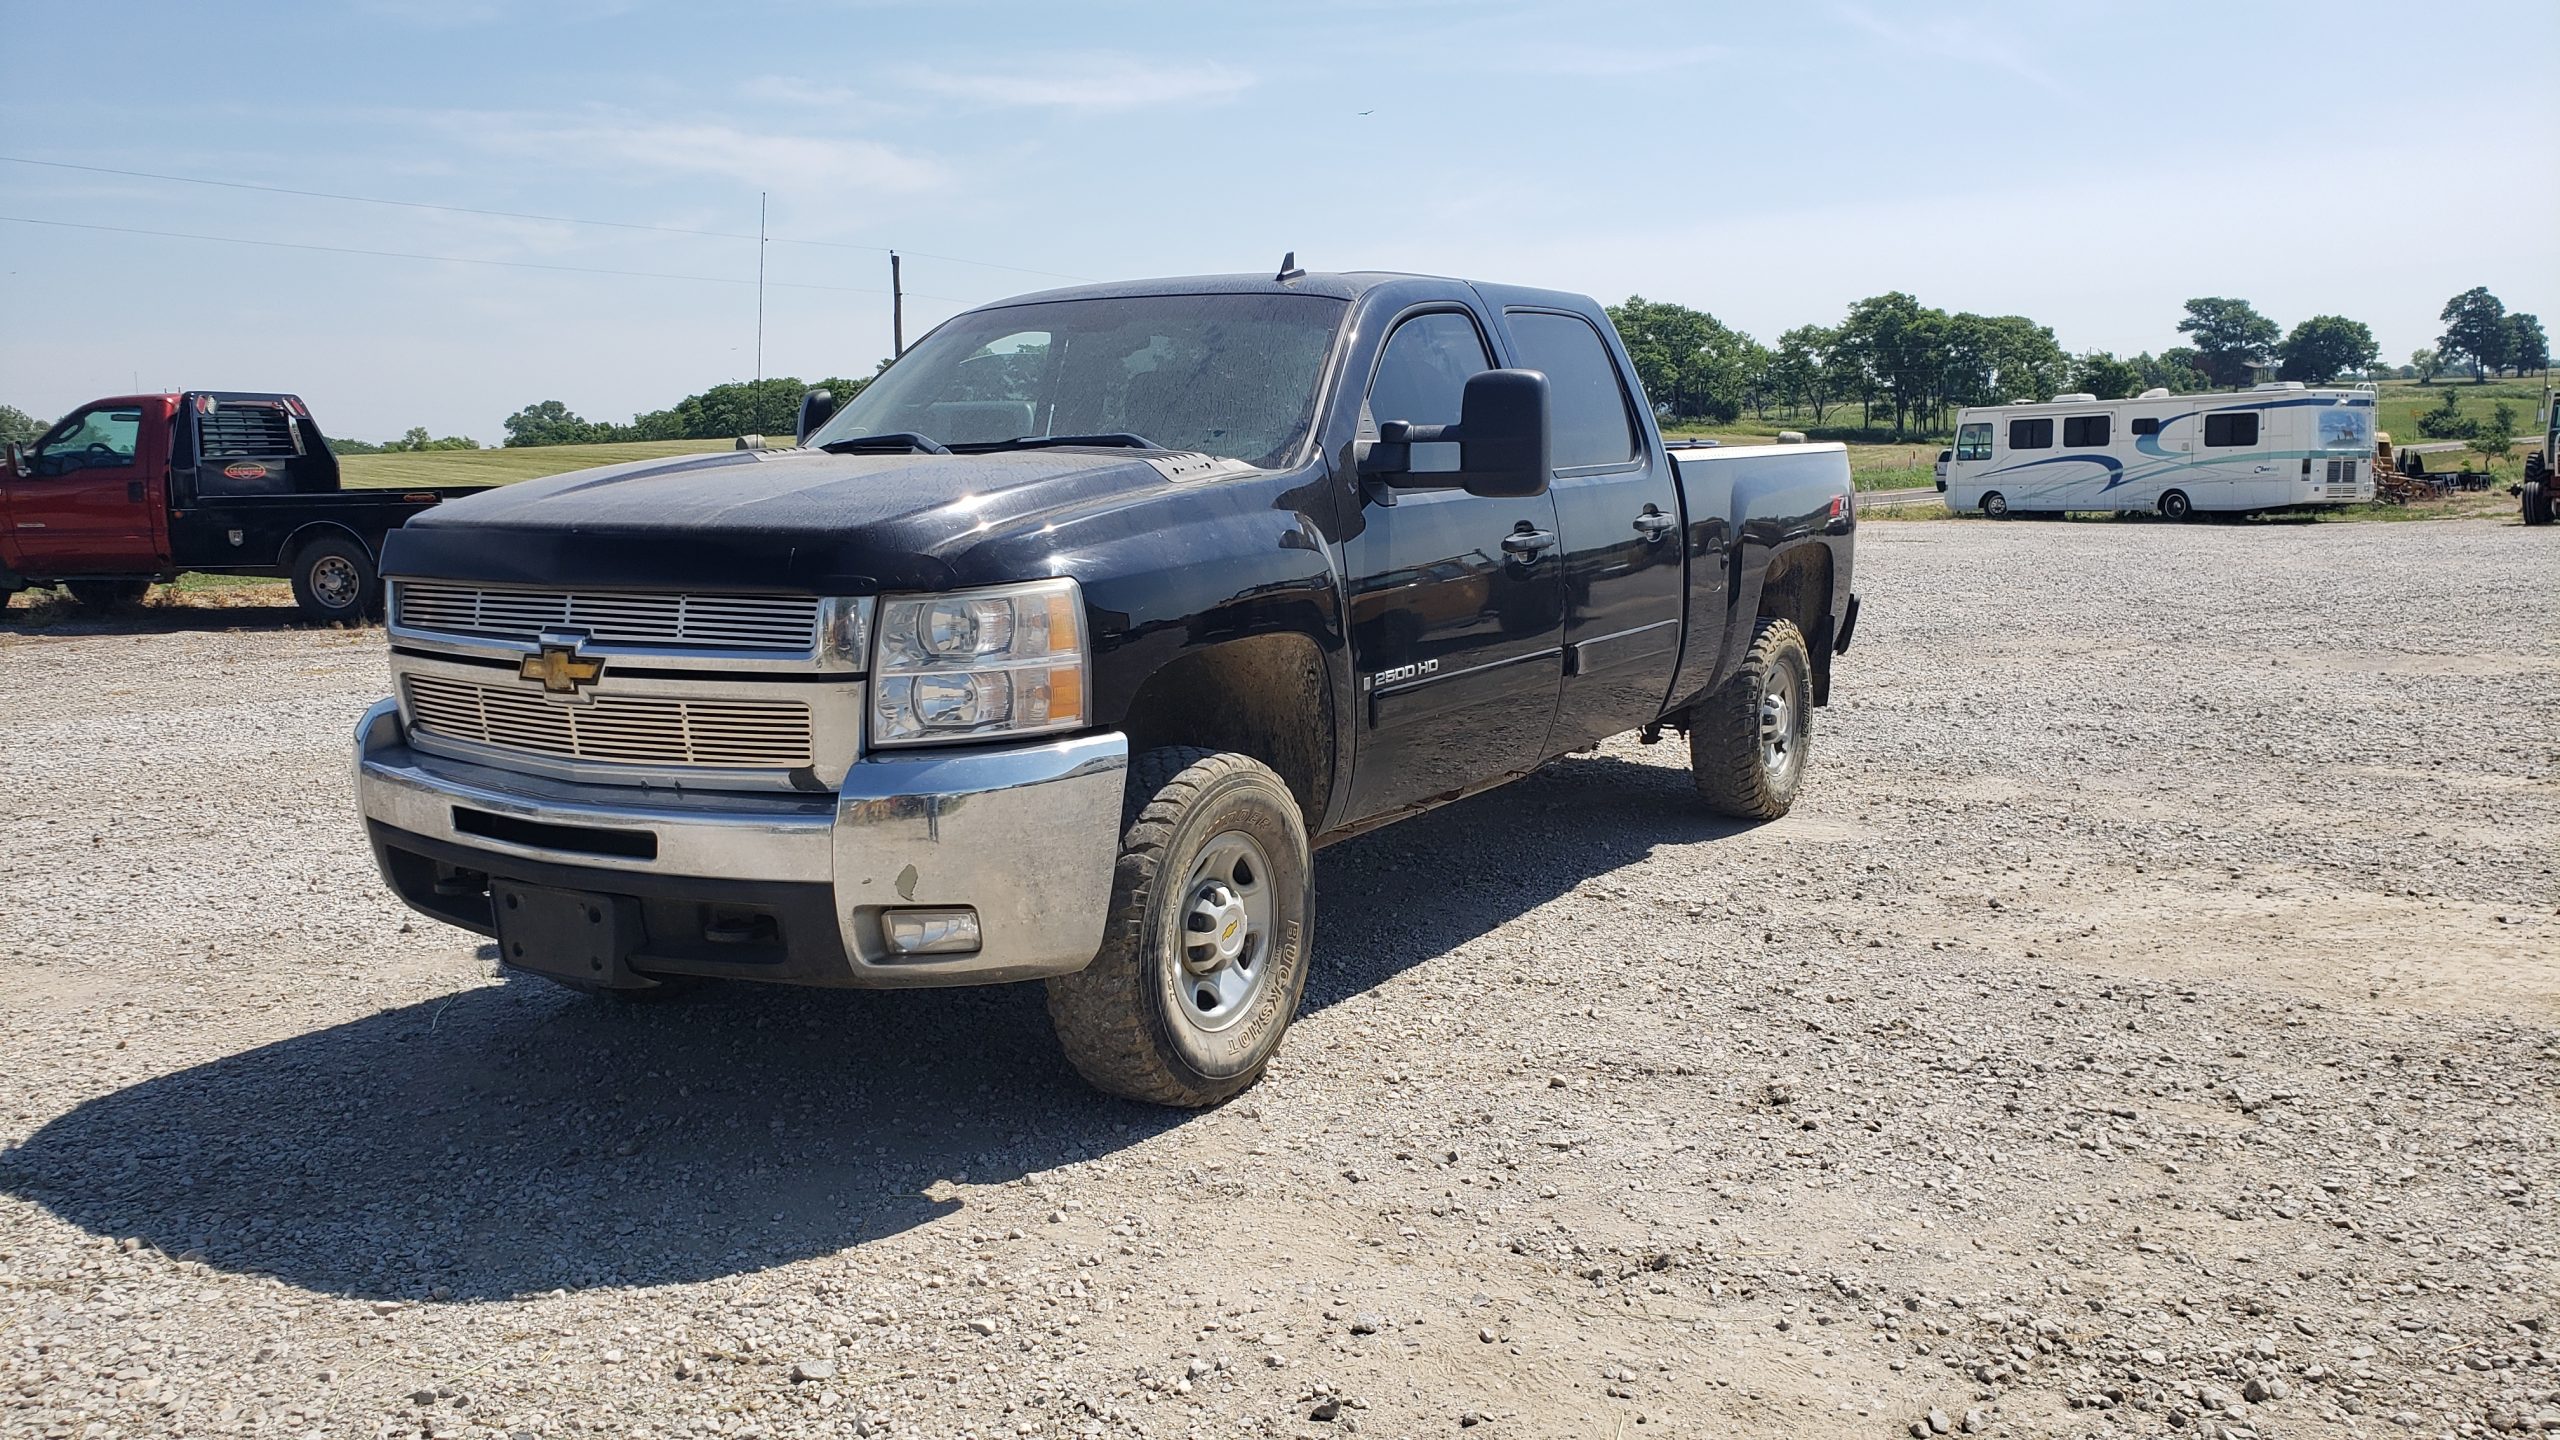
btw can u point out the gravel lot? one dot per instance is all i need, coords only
(2149, 1025)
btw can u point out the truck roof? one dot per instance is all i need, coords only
(1336, 284)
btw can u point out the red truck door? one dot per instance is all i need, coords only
(83, 503)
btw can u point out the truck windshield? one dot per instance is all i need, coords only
(1230, 375)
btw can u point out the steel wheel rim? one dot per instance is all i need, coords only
(333, 580)
(1779, 708)
(1222, 939)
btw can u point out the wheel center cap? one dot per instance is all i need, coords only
(1226, 933)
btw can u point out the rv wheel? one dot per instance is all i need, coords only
(2174, 506)
(1996, 505)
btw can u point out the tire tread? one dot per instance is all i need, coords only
(1724, 730)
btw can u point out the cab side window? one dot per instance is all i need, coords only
(1973, 440)
(103, 439)
(1589, 406)
(1422, 375)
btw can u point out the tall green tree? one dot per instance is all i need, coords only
(2174, 370)
(2231, 337)
(2475, 328)
(2324, 347)
(550, 422)
(1693, 365)
(17, 427)
(1899, 347)
(2428, 362)
(2528, 349)
(2103, 375)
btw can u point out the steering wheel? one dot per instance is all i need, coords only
(101, 447)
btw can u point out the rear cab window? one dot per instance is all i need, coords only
(1593, 419)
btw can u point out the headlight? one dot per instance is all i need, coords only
(981, 663)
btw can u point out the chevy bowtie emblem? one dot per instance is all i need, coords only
(560, 669)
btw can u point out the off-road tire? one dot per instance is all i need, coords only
(2537, 502)
(1727, 757)
(1119, 1019)
(2176, 506)
(107, 597)
(334, 581)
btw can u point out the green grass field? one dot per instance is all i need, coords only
(2404, 400)
(502, 467)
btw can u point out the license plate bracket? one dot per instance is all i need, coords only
(568, 934)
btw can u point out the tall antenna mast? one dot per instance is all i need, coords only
(897, 311)
(759, 287)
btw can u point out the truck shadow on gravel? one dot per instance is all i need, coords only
(63, 622)
(510, 1139)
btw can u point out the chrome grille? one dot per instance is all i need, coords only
(624, 729)
(709, 622)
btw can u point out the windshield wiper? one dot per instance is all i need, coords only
(1120, 439)
(894, 442)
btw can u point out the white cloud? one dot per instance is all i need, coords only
(604, 140)
(1094, 82)
(1951, 38)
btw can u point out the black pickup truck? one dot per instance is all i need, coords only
(1053, 654)
(136, 488)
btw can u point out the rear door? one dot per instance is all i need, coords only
(1456, 599)
(1618, 513)
(83, 503)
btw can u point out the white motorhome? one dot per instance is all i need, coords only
(2266, 448)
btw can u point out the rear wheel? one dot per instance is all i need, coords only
(334, 580)
(2176, 506)
(1204, 954)
(1748, 742)
(105, 597)
(1996, 505)
(2537, 502)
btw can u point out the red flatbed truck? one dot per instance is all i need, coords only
(134, 489)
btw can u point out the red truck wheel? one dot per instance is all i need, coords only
(334, 580)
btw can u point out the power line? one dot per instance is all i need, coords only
(454, 259)
(521, 215)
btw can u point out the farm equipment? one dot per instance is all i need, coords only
(2539, 476)
(2401, 475)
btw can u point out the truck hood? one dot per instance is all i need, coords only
(796, 521)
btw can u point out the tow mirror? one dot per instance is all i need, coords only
(816, 408)
(1503, 434)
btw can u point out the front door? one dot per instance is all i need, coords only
(82, 502)
(1618, 511)
(1457, 602)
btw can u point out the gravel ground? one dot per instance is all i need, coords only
(2147, 1025)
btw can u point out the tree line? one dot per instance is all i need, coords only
(1913, 365)
(742, 407)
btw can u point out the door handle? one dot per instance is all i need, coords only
(1654, 524)
(1526, 545)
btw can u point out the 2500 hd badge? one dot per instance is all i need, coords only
(1040, 660)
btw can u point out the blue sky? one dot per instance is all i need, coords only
(2088, 165)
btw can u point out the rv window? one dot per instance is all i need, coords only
(1973, 441)
(2034, 434)
(2146, 424)
(2085, 432)
(2231, 429)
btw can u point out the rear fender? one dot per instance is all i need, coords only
(318, 529)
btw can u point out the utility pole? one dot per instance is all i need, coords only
(759, 287)
(897, 311)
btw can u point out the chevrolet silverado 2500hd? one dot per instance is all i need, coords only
(137, 488)
(1053, 653)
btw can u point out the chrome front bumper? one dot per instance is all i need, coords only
(1026, 835)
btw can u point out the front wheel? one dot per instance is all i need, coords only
(334, 580)
(1749, 741)
(1204, 954)
(2175, 506)
(1996, 505)
(2538, 505)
